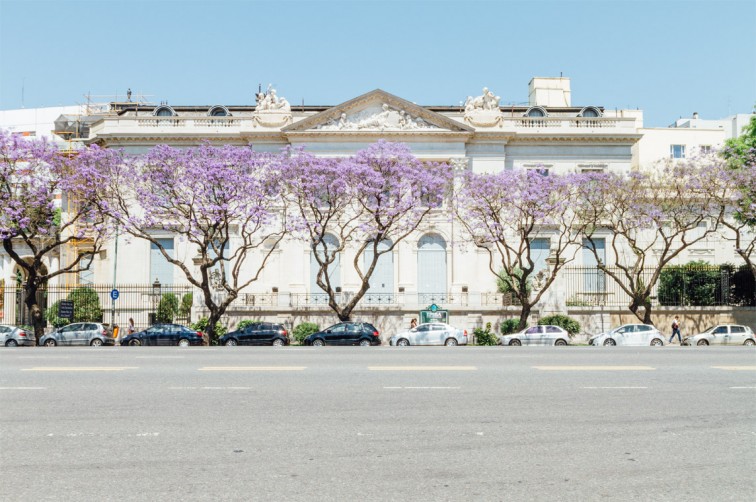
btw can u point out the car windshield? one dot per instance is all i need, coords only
(708, 330)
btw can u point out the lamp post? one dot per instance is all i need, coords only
(156, 296)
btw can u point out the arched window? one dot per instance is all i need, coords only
(536, 112)
(164, 111)
(218, 111)
(334, 269)
(431, 268)
(590, 112)
(382, 280)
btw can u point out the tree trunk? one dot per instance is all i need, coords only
(30, 300)
(212, 336)
(524, 315)
(635, 305)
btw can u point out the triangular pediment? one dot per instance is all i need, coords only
(377, 112)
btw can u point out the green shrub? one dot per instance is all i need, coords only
(168, 308)
(568, 323)
(485, 336)
(304, 330)
(509, 326)
(202, 324)
(86, 305)
(185, 309)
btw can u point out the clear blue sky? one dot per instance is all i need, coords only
(669, 58)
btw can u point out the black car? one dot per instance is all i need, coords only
(258, 333)
(346, 333)
(165, 334)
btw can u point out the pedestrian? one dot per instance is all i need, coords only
(131, 328)
(413, 323)
(675, 330)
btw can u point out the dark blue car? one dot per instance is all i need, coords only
(165, 334)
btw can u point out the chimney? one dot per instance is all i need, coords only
(695, 115)
(549, 91)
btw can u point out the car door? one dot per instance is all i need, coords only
(532, 336)
(352, 333)
(421, 334)
(720, 335)
(644, 335)
(437, 334)
(168, 335)
(249, 334)
(335, 334)
(4, 333)
(87, 334)
(737, 335)
(265, 333)
(67, 334)
(624, 335)
(551, 334)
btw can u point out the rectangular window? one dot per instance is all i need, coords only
(705, 149)
(539, 251)
(677, 151)
(86, 277)
(594, 280)
(160, 268)
(543, 171)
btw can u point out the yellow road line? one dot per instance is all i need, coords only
(594, 368)
(735, 368)
(80, 368)
(422, 368)
(252, 368)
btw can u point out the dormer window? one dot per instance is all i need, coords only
(536, 112)
(164, 111)
(590, 112)
(218, 111)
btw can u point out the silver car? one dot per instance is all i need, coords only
(79, 333)
(723, 334)
(431, 333)
(13, 336)
(537, 335)
(630, 334)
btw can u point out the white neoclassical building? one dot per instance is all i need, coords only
(549, 134)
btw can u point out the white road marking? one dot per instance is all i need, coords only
(414, 388)
(23, 388)
(209, 388)
(160, 357)
(82, 368)
(253, 368)
(614, 387)
(594, 368)
(44, 357)
(743, 387)
(422, 368)
(735, 368)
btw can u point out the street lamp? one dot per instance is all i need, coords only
(155, 297)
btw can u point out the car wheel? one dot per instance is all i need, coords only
(231, 343)
(560, 342)
(96, 343)
(609, 342)
(135, 343)
(278, 342)
(451, 342)
(402, 343)
(749, 342)
(656, 342)
(702, 342)
(515, 343)
(364, 343)
(183, 342)
(11, 343)
(318, 343)
(50, 343)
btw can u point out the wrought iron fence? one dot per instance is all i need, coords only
(678, 286)
(145, 303)
(499, 300)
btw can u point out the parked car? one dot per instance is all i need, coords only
(13, 336)
(537, 335)
(258, 333)
(165, 334)
(723, 334)
(79, 333)
(431, 333)
(346, 333)
(630, 334)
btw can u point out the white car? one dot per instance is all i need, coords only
(723, 334)
(431, 333)
(630, 334)
(537, 335)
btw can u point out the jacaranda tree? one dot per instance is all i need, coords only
(46, 206)
(366, 204)
(225, 202)
(504, 212)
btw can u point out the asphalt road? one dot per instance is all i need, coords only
(363, 424)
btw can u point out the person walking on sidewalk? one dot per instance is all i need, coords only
(675, 330)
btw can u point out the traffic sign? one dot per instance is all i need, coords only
(114, 294)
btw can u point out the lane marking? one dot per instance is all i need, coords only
(74, 368)
(23, 388)
(614, 387)
(422, 368)
(743, 387)
(735, 368)
(594, 368)
(421, 388)
(160, 357)
(252, 368)
(209, 388)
